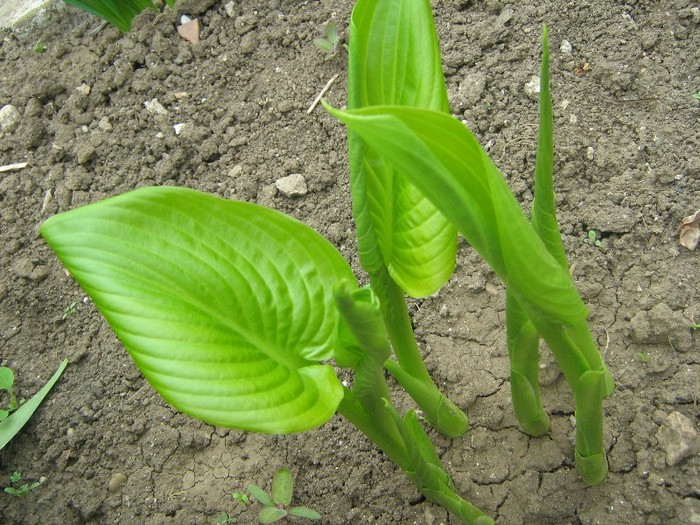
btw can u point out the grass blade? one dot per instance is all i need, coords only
(14, 423)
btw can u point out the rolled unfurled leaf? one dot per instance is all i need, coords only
(395, 60)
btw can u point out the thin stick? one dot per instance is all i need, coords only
(323, 92)
(13, 167)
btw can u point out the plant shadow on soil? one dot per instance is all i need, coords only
(627, 166)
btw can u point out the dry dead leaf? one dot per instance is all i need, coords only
(690, 231)
(190, 31)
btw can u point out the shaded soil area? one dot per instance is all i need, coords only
(627, 168)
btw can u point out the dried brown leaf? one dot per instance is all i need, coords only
(690, 231)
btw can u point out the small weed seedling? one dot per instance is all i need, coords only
(241, 497)
(593, 239)
(696, 96)
(70, 310)
(644, 357)
(329, 45)
(17, 488)
(275, 504)
(695, 326)
(225, 518)
(40, 47)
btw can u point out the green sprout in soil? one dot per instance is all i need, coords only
(70, 310)
(695, 326)
(593, 239)
(276, 503)
(119, 13)
(225, 518)
(329, 45)
(17, 488)
(644, 357)
(40, 47)
(696, 96)
(241, 498)
(249, 305)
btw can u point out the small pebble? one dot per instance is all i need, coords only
(293, 185)
(9, 118)
(677, 437)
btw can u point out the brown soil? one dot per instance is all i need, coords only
(627, 166)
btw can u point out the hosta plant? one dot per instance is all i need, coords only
(239, 315)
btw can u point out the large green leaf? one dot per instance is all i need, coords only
(395, 60)
(226, 307)
(470, 190)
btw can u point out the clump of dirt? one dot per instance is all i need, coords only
(228, 115)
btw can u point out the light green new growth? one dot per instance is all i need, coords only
(232, 311)
(329, 45)
(444, 161)
(404, 243)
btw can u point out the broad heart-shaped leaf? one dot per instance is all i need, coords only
(395, 60)
(226, 307)
(471, 192)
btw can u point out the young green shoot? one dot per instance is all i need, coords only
(40, 47)
(70, 310)
(241, 497)
(644, 357)
(696, 96)
(17, 488)
(592, 238)
(329, 45)
(225, 518)
(276, 503)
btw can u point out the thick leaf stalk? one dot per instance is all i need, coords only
(522, 336)
(363, 345)
(404, 243)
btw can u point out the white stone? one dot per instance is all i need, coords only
(229, 7)
(532, 88)
(155, 107)
(293, 185)
(9, 118)
(178, 128)
(566, 47)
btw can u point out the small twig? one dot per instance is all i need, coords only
(632, 100)
(13, 167)
(323, 92)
